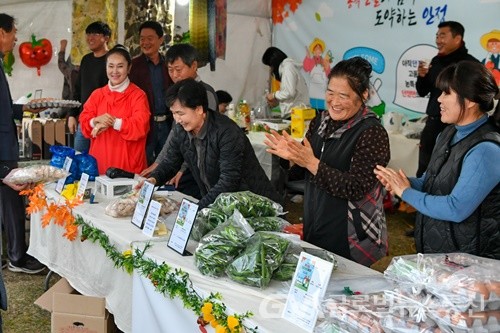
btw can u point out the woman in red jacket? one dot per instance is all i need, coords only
(116, 118)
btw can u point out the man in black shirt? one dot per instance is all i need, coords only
(92, 75)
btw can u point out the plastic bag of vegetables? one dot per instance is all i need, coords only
(206, 220)
(268, 223)
(217, 248)
(263, 254)
(249, 204)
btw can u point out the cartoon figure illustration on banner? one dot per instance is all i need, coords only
(318, 67)
(375, 102)
(377, 60)
(491, 43)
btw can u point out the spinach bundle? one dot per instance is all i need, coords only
(207, 220)
(267, 223)
(263, 254)
(249, 204)
(217, 248)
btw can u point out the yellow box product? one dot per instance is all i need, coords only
(304, 113)
(300, 121)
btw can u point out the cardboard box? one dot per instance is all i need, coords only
(49, 137)
(75, 313)
(60, 132)
(32, 138)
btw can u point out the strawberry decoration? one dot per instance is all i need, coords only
(36, 53)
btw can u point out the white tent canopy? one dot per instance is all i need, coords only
(241, 73)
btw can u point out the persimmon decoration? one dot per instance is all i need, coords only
(36, 53)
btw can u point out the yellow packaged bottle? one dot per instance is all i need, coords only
(300, 119)
(244, 111)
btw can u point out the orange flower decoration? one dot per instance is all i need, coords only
(62, 215)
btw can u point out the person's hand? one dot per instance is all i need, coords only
(98, 129)
(140, 183)
(271, 100)
(277, 144)
(302, 154)
(423, 69)
(72, 123)
(104, 120)
(175, 180)
(146, 172)
(394, 181)
(63, 44)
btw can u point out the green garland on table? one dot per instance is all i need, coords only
(167, 281)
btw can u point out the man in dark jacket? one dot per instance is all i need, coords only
(216, 150)
(149, 72)
(451, 49)
(12, 209)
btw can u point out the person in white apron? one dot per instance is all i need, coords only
(318, 68)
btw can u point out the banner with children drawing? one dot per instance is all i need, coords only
(393, 35)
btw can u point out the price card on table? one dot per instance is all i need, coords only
(152, 218)
(142, 204)
(60, 182)
(308, 288)
(182, 227)
(82, 185)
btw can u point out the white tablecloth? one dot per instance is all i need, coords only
(404, 154)
(85, 264)
(88, 269)
(269, 163)
(155, 313)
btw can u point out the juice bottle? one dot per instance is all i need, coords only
(244, 110)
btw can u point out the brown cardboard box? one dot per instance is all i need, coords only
(60, 129)
(32, 138)
(75, 313)
(49, 139)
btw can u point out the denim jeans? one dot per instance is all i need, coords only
(81, 143)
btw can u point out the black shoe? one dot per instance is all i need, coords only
(5, 263)
(410, 233)
(31, 266)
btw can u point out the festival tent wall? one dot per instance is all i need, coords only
(241, 73)
(392, 35)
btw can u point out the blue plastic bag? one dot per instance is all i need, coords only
(87, 164)
(59, 154)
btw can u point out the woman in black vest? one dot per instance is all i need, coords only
(458, 196)
(343, 210)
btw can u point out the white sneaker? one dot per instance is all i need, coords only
(297, 198)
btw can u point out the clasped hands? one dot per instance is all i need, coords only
(286, 147)
(393, 181)
(102, 123)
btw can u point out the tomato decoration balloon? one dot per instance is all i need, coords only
(36, 53)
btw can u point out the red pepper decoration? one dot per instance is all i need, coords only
(36, 53)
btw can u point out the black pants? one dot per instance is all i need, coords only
(12, 216)
(433, 126)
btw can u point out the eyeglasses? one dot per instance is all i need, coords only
(94, 34)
